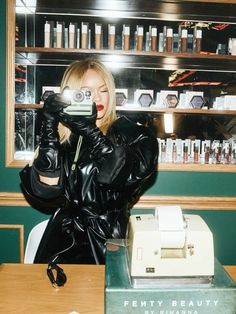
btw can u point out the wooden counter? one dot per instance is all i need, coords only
(25, 288)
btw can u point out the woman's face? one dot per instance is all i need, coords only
(94, 82)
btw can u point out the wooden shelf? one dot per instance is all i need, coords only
(151, 109)
(28, 106)
(191, 167)
(130, 59)
(189, 111)
(196, 167)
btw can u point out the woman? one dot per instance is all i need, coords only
(88, 170)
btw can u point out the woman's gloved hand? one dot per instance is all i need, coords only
(48, 162)
(81, 125)
(86, 126)
(53, 105)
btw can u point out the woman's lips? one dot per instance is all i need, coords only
(99, 107)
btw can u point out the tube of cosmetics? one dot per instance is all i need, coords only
(111, 36)
(98, 36)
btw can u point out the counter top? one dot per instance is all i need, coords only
(25, 288)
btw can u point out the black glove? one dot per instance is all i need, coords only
(48, 162)
(86, 126)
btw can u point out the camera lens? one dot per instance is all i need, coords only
(78, 96)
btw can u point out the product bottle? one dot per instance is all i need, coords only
(198, 40)
(163, 152)
(111, 36)
(185, 154)
(207, 155)
(184, 40)
(139, 38)
(47, 30)
(98, 36)
(218, 154)
(126, 37)
(174, 153)
(195, 154)
(153, 39)
(228, 155)
(84, 35)
(169, 40)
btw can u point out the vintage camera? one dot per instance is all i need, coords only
(81, 102)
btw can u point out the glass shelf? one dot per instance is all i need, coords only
(145, 59)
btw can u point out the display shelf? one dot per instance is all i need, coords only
(196, 167)
(147, 12)
(135, 59)
(28, 106)
(151, 109)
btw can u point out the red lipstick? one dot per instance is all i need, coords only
(99, 107)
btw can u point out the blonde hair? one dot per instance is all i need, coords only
(73, 77)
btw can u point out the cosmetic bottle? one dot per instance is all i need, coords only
(153, 38)
(126, 37)
(185, 154)
(233, 158)
(195, 154)
(184, 40)
(218, 154)
(72, 35)
(228, 155)
(98, 36)
(206, 155)
(174, 153)
(84, 35)
(163, 152)
(169, 40)
(111, 36)
(59, 34)
(198, 39)
(139, 38)
(47, 35)
(147, 42)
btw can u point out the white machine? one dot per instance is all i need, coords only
(171, 247)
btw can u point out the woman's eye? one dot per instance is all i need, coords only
(104, 91)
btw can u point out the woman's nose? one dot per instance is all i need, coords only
(96, 96)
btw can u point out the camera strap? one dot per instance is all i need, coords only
(78, 148)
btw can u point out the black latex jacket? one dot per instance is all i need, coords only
(91, 203)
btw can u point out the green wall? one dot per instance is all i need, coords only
(222, 223)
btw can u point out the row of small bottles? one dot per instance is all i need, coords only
(151, 38)
(197, 151)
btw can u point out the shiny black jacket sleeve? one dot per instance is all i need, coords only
(132, 159)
